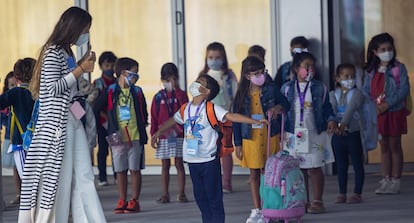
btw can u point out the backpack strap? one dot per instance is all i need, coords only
(35, 115)
(141, 103)
(14, 120)
(211, 115)
(395, 71)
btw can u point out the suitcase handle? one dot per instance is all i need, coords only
(282, 131)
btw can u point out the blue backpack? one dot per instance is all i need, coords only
(367, 117)
(282, 187)
(28, 134)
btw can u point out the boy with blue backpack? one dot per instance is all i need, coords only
(127, 120)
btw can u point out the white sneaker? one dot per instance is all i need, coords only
(103, 183)
(393, 187)
(384, 185)
(256, 216)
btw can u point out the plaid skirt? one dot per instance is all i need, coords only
(169, 148)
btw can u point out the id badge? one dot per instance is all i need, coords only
(301, 140)
(257, 117)
(341, 110)
(77, 110)
(124, 113)
(192, 147)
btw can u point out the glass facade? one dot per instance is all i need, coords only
(24, 27)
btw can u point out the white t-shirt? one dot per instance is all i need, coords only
(201, 129)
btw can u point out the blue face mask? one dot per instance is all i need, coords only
(108, 72)
(215, 64)
(132, 78)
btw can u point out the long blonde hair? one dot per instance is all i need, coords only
(67, 30)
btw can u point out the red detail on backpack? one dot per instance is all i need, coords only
(110, 103)
(225, 130)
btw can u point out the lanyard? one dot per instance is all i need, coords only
(193, 122)
(127, 98)
(169, 102)
(302, 99)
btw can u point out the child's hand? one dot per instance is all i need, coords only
(261, 121)
(341, 129)
(274, 111)
(239, 152)
(154, 140)
(381, 108)
(332, 127)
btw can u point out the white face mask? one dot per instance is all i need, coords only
(82, 39)
(386, 56)
(195, 89)
(168, 86)
(348, 84)
(299, 50)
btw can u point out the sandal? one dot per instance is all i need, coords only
(340, 199)
(163, 199)
(182, 198)
(355, 199)
(316, 207)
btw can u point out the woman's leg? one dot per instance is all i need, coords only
(85, 203)
(255, 187)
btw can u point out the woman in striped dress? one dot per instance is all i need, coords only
(58, 173)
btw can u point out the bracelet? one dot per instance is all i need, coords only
(83, 70)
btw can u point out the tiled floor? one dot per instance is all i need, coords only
(386, 208)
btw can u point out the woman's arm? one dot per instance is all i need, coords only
(52, 67)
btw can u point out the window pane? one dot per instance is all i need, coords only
(24, 27)
(137, 29)
(237, 24)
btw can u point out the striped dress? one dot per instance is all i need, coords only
(44, 158)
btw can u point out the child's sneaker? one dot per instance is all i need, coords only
(384, 184)
(120, 207)
(256, 216)
(133, 206)
(393, 187)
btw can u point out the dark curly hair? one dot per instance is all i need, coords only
(23, 69)
(212, 85)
